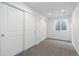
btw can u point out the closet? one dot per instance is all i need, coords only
(11, 30)
(19, 29)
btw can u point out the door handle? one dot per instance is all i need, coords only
(2, 35)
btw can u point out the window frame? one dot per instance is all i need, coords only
(64, 20)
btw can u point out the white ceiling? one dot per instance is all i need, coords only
(53, 7)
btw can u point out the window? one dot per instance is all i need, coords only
(61, 25)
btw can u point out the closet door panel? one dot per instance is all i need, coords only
(15, 30)
(3, 20)
(29, 30)
(12, 42)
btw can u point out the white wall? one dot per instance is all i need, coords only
(61, 35)
(41, 29)
(75, 28)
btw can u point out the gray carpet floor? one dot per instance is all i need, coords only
(50, 47)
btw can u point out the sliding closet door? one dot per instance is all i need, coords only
(29, 30)
(3, 20)
(11, 21)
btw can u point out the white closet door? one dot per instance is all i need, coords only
(3, 17)
(11, 21)
(29, 30)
